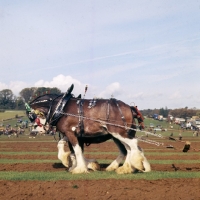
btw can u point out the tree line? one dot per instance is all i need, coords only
(9, 101)
(179, 112)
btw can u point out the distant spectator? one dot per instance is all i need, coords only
(180, 136)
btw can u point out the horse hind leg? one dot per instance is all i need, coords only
(137, 159)
(123, 152)
(126, 168)
(146, 164)
(115, 164)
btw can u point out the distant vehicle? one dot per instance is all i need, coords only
(188, 125)
(183, 125)
(19, 121)
(195, 124)
(179, 120)
(151, 125)
(155, 116)
(160, 117)
(157, 129)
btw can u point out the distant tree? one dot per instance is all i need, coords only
(183, 112)
(198, 113)
(19, 103)
(164, 112)
(30, 93)
(46, 90)
(7, 99)
(27, 93)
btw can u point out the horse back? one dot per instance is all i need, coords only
(98, 118)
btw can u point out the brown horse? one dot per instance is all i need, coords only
(94, 121)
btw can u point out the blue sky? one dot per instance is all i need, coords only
(146, 52)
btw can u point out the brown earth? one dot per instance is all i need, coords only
(168, 189)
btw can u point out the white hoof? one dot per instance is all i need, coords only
(94, 166)
(79, 170)
(125, 169)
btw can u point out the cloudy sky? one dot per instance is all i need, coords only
(146, 52)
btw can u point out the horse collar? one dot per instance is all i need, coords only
(59, 109)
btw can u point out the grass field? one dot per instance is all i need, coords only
(13, 151)
(9, 117)
(32, 167)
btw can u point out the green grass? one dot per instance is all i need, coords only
(107, 161)
(55, 176)
(8, 114)
(64, 175)
(157, 161)
(99, 153)
(28, 153)
(164, 124)
(12, 161)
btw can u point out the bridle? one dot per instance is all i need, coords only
(50, 101)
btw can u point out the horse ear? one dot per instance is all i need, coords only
(79, 96)
(70, 89)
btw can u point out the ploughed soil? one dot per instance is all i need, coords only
(173, 189)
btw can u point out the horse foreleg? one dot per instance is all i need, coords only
(81, 166)
(63, 155)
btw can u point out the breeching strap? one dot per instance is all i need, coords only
(122, 116)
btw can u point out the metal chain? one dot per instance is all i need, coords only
(140, 138)
(112, 124)
(150, 141)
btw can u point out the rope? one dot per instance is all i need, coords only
(140, 138)
(112, 124)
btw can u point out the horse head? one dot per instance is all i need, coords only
(47, 104)
(41, 106)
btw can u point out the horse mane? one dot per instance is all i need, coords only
(48, 97)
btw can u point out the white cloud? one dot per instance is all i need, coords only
(14, 86)
(62, 82)
(148, 50)
(176, 95)
(112, 89)
(3, 86)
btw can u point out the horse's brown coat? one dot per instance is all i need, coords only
(108, 117)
